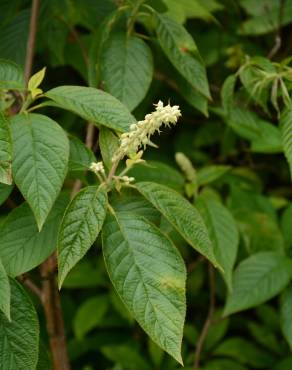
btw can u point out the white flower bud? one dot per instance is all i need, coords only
(97, 167)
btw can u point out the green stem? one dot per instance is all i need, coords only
(133, 16)
(26, 104)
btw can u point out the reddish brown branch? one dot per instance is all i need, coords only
(193, 265)
(209, 318)
(30, 48)
(89, 140)
(25, 280)
(53, 313)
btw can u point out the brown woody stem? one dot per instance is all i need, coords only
(53, 312)
(30, 48)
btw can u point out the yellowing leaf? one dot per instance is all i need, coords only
(35, 81)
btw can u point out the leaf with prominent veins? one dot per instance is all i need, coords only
(181, 214)
(81, 224)
(149, 275)
(40, 158)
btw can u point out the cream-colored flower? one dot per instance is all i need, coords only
(139, 134)
(127, 180)
(97, 167)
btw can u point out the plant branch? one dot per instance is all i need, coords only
(53, 312)
(193, 265)
(25, 280)
(89, 140)
(30, 48)
(278, 38)
(209, 318)
(113, 170)
(77, 38)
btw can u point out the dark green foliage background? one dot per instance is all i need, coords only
(231, 137)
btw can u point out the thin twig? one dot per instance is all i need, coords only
(278, 38)
(25, 280)
(209, 318)
(30, 48)
(89, 140)
(53, 313)
(161, 77)
(193, 265)
(77, 38)
(113, 170)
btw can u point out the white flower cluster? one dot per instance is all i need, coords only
(125, 179)
(97, 167)
(139, 134)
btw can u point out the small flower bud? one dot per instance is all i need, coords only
(186, 166)
(97, 167)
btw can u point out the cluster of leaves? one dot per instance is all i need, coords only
(215, 197)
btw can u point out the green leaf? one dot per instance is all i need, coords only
(227, 92)
(80, 227)
(4, 292)
(134, 203)
(257, 279)
(269, 139)
(122, 353)
(11, 76)
(158, 172)
(244, 123)
(86, 275)
(5, 191)
(80, 157)
(223, 364)
(93, 105)
(264, 136)
(286, 224)
(182, 215)
(208, 174)
(223, 234)
(39, 165)
(260, 232)
(180, 48)
(35, 81)
(194, 98)
(244, 352)
(183, 9)
(265, 337)
(286, 312)
(265, 17)
(89, 315)
(149, 277)
(126, 68)
(19, 338)
(8, 8)
(23, 247)
(13, 38)
(5, 151)
(108, 143)
(284, 364)
(286, 131)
